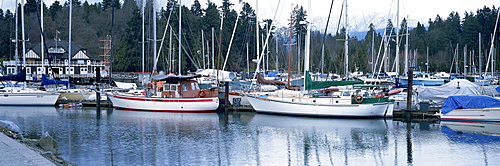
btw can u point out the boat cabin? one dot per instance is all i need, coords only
(185, 89)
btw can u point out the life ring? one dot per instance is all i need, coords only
(202, 93)
(358, 99)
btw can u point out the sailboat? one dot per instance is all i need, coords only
(350, 102)
(355, 103)
(22, 95)
(170, 93)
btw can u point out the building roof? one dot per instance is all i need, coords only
(58, 50)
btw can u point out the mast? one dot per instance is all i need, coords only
(492, 45)
(267, 47)
(69, 38)
(16, 40)
(248, 62)
(298, 51)
(154, 36)
(465, 60)
(257, 28)
(456, 63)
(480, 57)
(208, 53)
(346, 43)
(171, 61)
(307, 43)
(143, 38)
(406, 49)
(373, 51)
(397, 41)
(23, 34)
(180, 35)
(427, 60)
(203, 48)
(473, 63)
(289, 52)
(276, 55)
(41, 38)
(219, 46)
(213, 48)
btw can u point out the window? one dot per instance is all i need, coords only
(194, 86)
(170, 87)
(11, 70)
(184, 87)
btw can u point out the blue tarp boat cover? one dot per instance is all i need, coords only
(272, 74)
(21, 76)
(47, 81)
(464, 102)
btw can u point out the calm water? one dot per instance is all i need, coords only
(118, 137)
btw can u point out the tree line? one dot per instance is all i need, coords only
(205, 42)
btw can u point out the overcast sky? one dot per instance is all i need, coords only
(360, 12)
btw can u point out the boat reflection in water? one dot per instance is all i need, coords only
(472, 132)
(114, 137)
(477, 137)
(320, 141)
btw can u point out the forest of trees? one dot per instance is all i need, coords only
(443, 37)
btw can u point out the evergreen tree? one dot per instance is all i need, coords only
(196, 9)
(54, 9)
(128, 56)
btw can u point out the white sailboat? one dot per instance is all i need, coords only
(22, 95)
(350, 103)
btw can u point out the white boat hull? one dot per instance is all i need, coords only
(265, 105)
(164, 104)
(490, 114)
(29, 99)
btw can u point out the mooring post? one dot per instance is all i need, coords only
(409, 94)
(226, 95)
(98, 91)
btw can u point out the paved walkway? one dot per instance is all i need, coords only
(15, 153)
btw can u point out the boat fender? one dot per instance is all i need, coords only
(358, 99)
(202, 93)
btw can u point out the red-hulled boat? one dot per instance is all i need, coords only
(169, 93)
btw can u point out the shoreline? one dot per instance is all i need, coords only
(24, 150)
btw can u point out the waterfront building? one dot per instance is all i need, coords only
(56, 61)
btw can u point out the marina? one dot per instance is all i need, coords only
(116, 137)
(244, 89)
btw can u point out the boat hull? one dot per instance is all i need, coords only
(419, 81)
(374, 110)
(164, 104)
(489, 114)
(29, 99)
